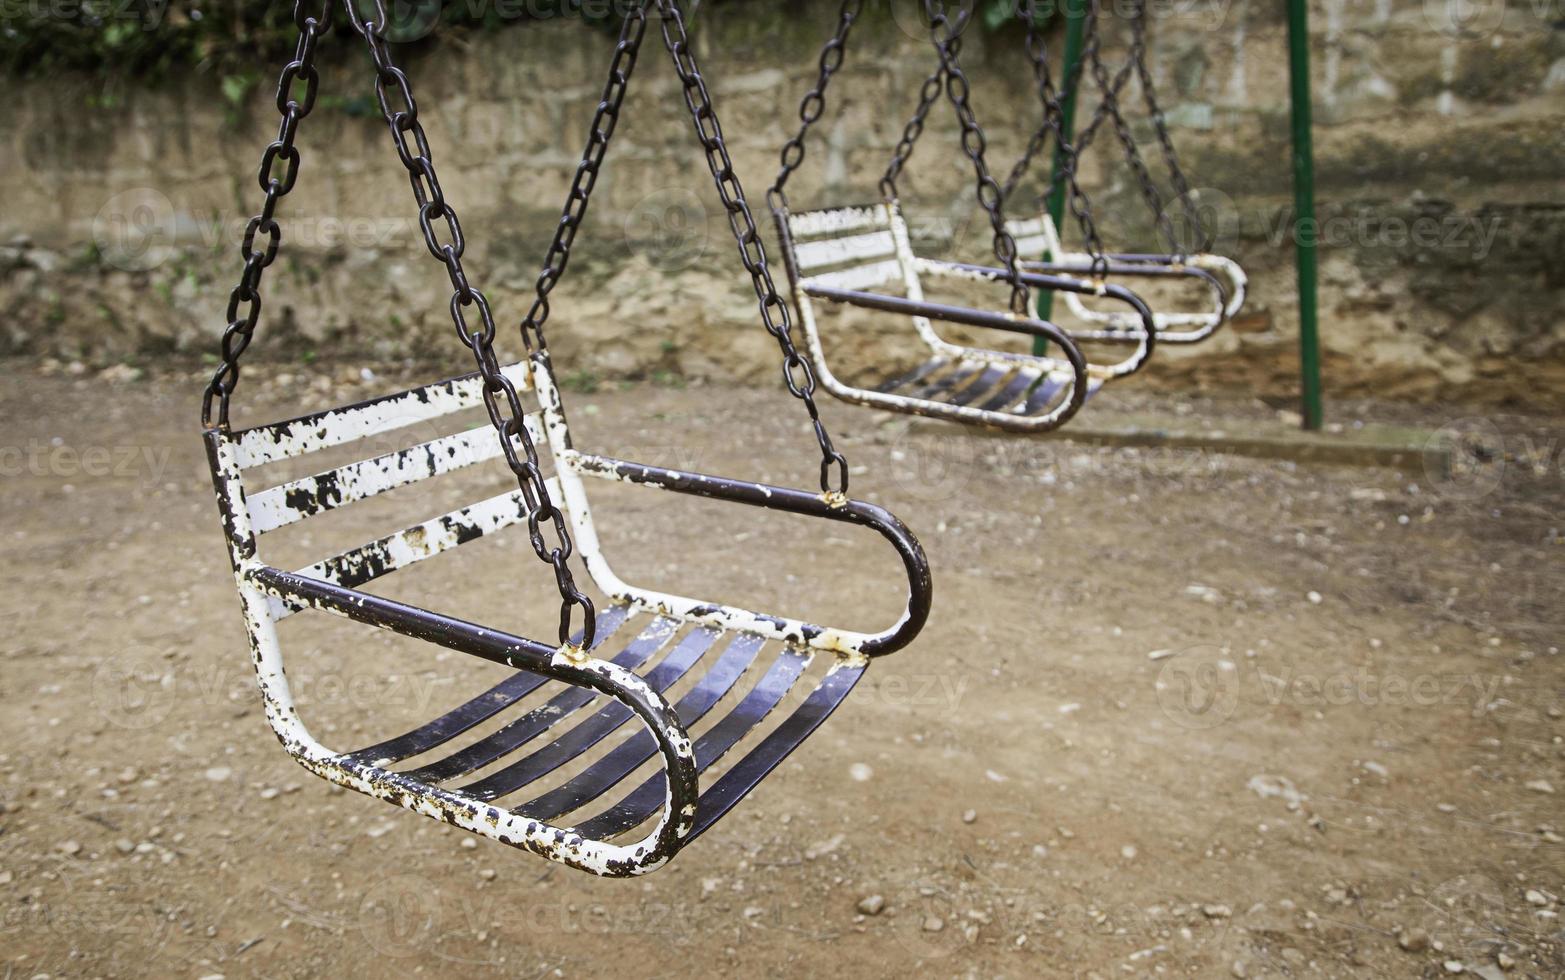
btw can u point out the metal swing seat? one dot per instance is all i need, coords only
(593, 709)
(862, 256)
(1221, 277)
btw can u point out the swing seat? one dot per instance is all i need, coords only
(844, 255)
(1222, 276)
(573, 767)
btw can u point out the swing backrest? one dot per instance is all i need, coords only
(845, 248)
(299, 499)
(1035, 237)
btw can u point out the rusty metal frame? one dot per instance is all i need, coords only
(869, 246)
(269, 594)
(1222, 275)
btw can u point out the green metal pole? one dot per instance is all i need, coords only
(1304, 227)
(1075, 22)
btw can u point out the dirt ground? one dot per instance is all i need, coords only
(1173, 714)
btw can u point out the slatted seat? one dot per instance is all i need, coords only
(555, 757)
(862, 256)
(1222, 277)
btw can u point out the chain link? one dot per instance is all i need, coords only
(814, 102)
(604, 122)
(244, 302)
(1127, 140)
(944, 33)
(797, 373)
(928, 95)
(1068, 155)
(504, 406)
(1176, 173)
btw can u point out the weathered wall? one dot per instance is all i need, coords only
(1439, 159)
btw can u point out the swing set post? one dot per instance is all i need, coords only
(1304, 213)
(1075, 22)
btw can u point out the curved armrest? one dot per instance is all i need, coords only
(914, 563)
(941, 311)
(673, 828)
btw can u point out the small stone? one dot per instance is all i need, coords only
(1160, 654)
(5, 878)
(1216, 911)
(1039, 851)
(1535, 897)
(271, 793)
(860, 772)
(70, 848)
(969, 816)
(1314, 597)
(934, 923)
(1540, 786)
(468, 843)
(219, 774)
(1454, 966)
(1445, 808)
(488, 874)
(1128, 852)
(1239, 969)
(1505, 961)
(124, 846)
(872, 904)
(1414, 940)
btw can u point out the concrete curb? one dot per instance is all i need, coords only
(1419, 451)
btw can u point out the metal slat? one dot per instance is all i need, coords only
(919, 373)
(624, 759)
(645, 799)
(758, 763)
(406, 547)
(951, 381)
(480, 709)
(859, 277)
(322, 430)
(836, 221)
(1008, 396)
(287, 503)
(858, 249)
(514, 734)
(992, 376)
(1041, 397)
(604, 723)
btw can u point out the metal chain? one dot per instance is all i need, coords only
(1127, 140)
(928, 95)
(397, 105)
(604, 122)
(944, 33)
(1176, 173)
(1054, 122)
(1091, 43)
(241, 326)
(797, 373)
(814, 101)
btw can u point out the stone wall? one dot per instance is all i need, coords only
(1439, 147)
